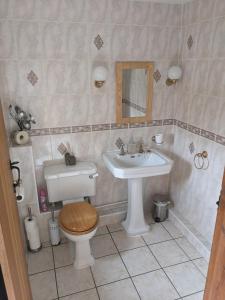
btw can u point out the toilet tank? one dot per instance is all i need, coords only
(70, 182)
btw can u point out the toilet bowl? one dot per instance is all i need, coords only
(78, 220)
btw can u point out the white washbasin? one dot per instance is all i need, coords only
(134, 167)
(137, 165)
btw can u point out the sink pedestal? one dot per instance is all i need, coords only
(135, 222)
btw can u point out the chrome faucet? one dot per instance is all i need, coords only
(141, 148)
(122, 151)
(120, 145)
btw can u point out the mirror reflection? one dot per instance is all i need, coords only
(134, 93)
(134, 89)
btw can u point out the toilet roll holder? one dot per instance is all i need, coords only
(16, 182)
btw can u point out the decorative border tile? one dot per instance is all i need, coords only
(37, 132)
(138, 125)
(108, 126)
(60, 130)
(155, 123)
(119, 126)
(207, 134)
(182, 125)
(168, 122)
(85, 128)
(194, 129)
(100, 127)
(220, 140)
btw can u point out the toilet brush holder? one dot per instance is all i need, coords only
(54, 231)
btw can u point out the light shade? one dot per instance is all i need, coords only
(100, 73)
(174, 73)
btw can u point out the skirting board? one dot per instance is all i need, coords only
(112, 213)
(196, 239)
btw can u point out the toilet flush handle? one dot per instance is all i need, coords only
(92, 176)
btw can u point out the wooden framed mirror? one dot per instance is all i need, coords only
(134, 91)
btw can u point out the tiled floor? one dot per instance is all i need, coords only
(160, 265)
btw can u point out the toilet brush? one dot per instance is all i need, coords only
(54, 229)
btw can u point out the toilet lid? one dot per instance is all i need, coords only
(78, 217)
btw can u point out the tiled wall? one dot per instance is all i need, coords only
(47, 55)
(201, 104)
(55, 40)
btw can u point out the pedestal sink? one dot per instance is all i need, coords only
(134, 167)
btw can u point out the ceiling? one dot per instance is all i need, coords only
(166, 1)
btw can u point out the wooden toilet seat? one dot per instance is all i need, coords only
(78, 218)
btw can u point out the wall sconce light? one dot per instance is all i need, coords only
(100, 75)
(174, 74)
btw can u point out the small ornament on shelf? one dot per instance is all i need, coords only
(24, 121)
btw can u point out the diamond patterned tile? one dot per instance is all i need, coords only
(98, 41)
(157, 75)
(190, 42)
(32, 78)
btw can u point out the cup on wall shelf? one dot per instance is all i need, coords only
(158, 138)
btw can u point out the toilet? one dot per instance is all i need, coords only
(78, 219)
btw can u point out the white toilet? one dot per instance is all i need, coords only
(78, 219)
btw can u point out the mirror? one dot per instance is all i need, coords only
(134, 86)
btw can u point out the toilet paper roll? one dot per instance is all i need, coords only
(20, 193)
(21, 137)
(32, 232)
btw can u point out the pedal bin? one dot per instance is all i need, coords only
(160, 208)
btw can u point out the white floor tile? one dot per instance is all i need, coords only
(121, 290)
(43, 286)
(108, 269)
(102, 230)
(63, 255)
(40, 261)
(102, 245)
(188, 248)
(186, 278)
(155, 286)
(115, 227)
(173, 230)
(87, 295)
(149, 219)
(202, 265)
(139, 261)
(168, 253)
(70, 280)
(198, 296)
(124, 242)
(156, 234)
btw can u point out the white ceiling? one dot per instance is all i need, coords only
(166, 1)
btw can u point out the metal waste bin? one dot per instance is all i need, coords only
(160, 207)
